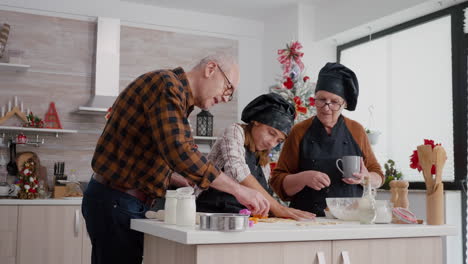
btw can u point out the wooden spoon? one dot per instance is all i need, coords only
(440, 158)
(425, 160)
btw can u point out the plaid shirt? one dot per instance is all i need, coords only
(229, 153)
(148, 136)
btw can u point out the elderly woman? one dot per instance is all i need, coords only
(306, 172)
(242, 153)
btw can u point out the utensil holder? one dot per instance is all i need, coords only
(435, 206)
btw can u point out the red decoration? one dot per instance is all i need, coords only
(301, 109)
(272, 165)
(289, 84)
(33, 121)
(108, 114)
(51, 118)
(306, 78)
(28, 182)
(21, 139)
(312, 101)
(414, 159)
(291, 54)
(297, 100)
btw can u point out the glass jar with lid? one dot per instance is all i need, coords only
(186, 209)
(170, 207)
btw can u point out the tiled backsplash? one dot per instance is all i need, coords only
(61, 54)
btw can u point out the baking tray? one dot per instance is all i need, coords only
(224, 222)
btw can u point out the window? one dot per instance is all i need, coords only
(406, 81)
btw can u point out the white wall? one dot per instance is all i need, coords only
(317, 52)
(295, 22)
(339, 16)
(280, 28)
(249, 33)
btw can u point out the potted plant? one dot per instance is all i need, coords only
(391, 173)
(373, 136)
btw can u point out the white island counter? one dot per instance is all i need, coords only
(345, 242)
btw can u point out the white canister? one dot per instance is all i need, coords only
(170, 207)
(186, 210)
(384, 211)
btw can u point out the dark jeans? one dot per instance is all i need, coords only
(107, 213)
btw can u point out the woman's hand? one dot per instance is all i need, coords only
(287, 212)
(358, 177)
(315, 179)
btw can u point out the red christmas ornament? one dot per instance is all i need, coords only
(306, 78)
(312, 101)
(289, 84)
(297, 100)
(21, 139)
(301, 109)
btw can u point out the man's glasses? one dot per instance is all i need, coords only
(229, 90)
(333, 105)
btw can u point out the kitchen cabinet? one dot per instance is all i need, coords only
(425, 250)
(51, 234)
(158, 250)
(8, 228)
(284, 243)
(363, 251)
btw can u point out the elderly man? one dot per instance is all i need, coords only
(306, 172)
(146, 139)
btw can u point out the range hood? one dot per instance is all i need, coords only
(106, 88)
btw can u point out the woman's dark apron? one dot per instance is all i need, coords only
(319, 151)
(214, 201)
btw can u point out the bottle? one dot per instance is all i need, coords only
(170, 207)
(186, 209)
(3, 167)
(41, 190)
(72, 176)
(367, 205)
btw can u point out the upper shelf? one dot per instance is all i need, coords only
(40, 130)
(13, 67)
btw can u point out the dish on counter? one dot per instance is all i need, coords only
(223, 222)
(344, 208)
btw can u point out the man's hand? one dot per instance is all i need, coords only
(250, 198)
(179, 180)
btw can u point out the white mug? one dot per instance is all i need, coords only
(351, 164)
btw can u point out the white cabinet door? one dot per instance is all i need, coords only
(427, 250)
(318, 252)
(8, 227)
(50, 235)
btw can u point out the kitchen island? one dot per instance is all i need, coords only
(326, 241)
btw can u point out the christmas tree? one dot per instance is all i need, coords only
(294, 86)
